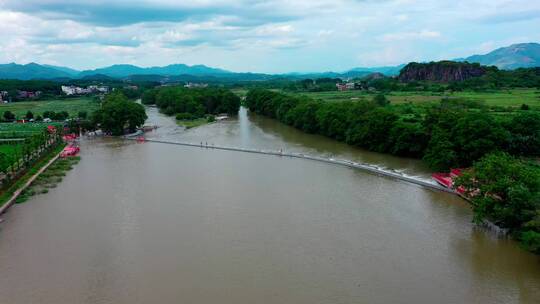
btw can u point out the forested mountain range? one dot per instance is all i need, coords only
(511, 57)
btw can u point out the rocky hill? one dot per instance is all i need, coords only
(442, 71)
(522, 55)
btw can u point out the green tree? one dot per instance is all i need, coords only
(61, 115)
(149, 97)
(118, 114)
(506, 190)
(9, 116)
(477, 134)
(49, 114)
(29, 115)
(408, 139)
(303, 116)
(372, 130)
(381, 100)
(525, 134)
(333, 119)
(440, 153)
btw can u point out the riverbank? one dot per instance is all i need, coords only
(10, 195)
(49, 178)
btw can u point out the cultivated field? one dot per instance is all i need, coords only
(499, 98)
(34, 127)
(72, 106)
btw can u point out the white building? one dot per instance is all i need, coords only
(69, 90)
(103, 89)
(73, 90)
(192, 85)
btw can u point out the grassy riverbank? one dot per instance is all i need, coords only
(49, 178)
(9, 190)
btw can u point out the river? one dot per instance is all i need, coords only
(154, 223)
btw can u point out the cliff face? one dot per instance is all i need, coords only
(443, 71)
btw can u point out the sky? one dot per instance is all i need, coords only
(270, 36)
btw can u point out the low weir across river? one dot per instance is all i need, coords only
(341, 162)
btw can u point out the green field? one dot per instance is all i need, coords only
(499, 98)
(18, 130)
(10, 127)
(10, 149)
(72, 106)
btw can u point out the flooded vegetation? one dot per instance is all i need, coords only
(50, 178)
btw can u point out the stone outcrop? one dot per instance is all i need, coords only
(442, 71)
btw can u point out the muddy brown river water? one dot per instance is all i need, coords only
(153, 223)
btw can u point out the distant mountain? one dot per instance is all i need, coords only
(523, 55)
(125, 70)
(352, 73)
(97, 77)
(348, 74)
(70, 71)
(514, 56)
(117, 71)
(387, 70)
(30, 71)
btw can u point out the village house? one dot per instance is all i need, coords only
(28, 94)
(68, 90)
(74, 90)
(346, 86)
(195, 85)
(4, 97)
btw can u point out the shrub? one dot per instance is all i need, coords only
(185, 116)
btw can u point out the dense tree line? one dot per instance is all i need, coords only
(497, 79)
(313, 85)
(449, 135)
(9, 116)
(192, 103)
(47, 88)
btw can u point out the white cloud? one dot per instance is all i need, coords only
(256, 35)
(423, 34)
